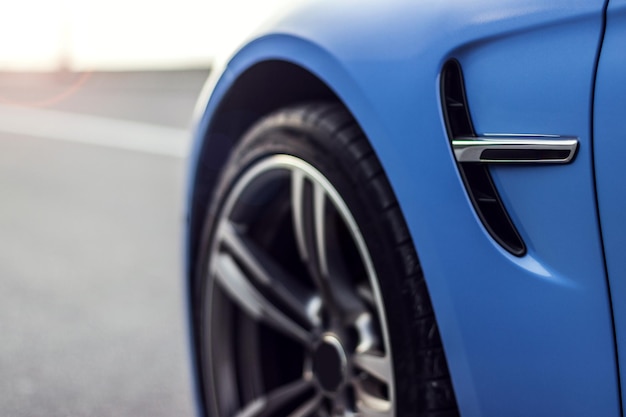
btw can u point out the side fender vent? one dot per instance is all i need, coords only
(475, 175)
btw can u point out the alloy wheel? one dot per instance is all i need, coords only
(294, 323)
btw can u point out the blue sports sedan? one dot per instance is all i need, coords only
(413, 208)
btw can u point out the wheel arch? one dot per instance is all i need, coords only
(266, 75)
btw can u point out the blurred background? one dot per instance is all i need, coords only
(96, 100)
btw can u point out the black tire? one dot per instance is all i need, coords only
(326, 137)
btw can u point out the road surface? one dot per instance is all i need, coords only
(91, 290)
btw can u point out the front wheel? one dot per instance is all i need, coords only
(312, 302)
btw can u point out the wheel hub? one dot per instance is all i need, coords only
(329, 364)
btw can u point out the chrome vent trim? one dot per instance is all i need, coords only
(515, 149)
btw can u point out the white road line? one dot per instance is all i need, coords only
(95, 130)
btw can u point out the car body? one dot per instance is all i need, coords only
(528, 334)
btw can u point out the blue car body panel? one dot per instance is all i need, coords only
(524, 336)
(610, 150)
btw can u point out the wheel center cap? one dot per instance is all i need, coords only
(329, 364)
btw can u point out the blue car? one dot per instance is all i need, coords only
(413, 208)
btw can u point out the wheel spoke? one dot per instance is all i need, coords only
(370, 412)
(308, 220)
(369, 405)
(368, 338)
(319, 210)
(266, 272)
(273, 402)
(297, 204)
(234, 282)
(377, 366)
(308, 408)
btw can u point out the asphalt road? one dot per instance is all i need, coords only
(91, 290)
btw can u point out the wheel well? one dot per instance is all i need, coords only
(260, 90)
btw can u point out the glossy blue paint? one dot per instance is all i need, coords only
(528, 336)
(610, 149)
